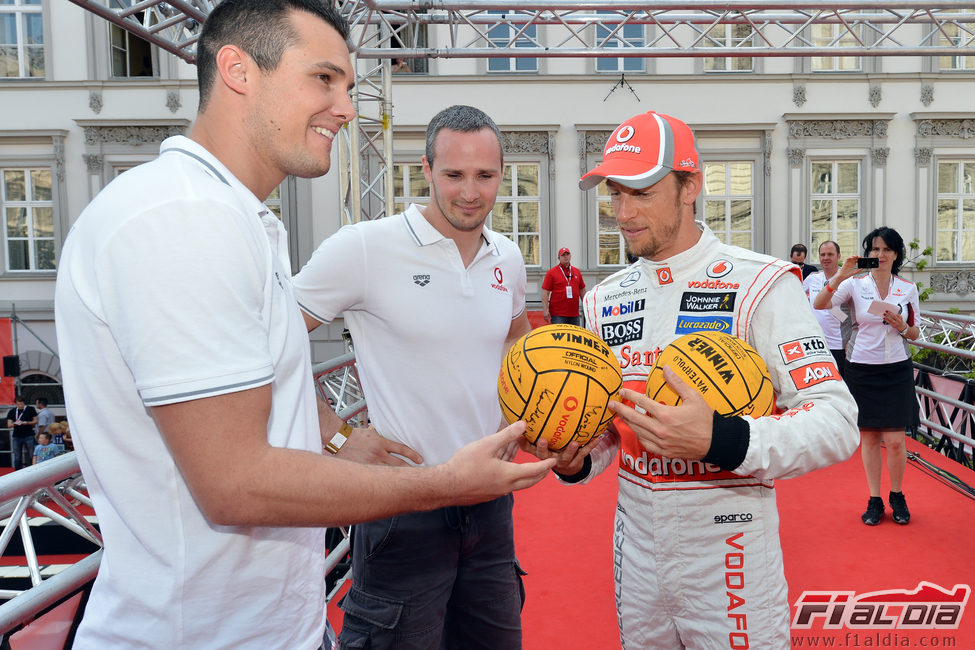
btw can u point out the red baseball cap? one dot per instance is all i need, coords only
(644, 149)
(563, 251)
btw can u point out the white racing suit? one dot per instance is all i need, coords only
(697, 560)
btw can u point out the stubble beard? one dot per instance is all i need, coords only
(295, 161)
(458, 223)
(659, 239)
(302, 163)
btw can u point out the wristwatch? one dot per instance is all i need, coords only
(339, 439)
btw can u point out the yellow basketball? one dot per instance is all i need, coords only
(559, 379)
(728, 372)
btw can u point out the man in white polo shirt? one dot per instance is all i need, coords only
(187, 373)
(432, 299)
(835, 330)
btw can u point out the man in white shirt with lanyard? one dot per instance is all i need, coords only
(174, 297)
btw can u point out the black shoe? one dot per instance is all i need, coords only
(875, 511)
(899, 506)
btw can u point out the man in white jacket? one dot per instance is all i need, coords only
(697, 555)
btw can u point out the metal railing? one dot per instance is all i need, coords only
(34, 488)
(949, 419)
(59, 482)
(337, 382)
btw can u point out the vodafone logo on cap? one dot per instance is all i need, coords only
(719, 268)
(625, 133)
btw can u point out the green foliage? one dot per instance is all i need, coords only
(919, 258)
(951, 363)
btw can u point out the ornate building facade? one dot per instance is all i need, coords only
(793, 149)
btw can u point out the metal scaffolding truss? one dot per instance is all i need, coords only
(426, 29)
(950, 335)
(173, 25)
(692, 28)
(676, 29)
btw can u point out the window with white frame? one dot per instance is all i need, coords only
(626, 35)
(409, 186)
(729, 200)
(21, 39)
(131, 56)
(517, 214)
(956, 211)
(506, 35)
(835, 35)
(951, 35)
(731, 37)
(27, 198)
(612, 247)
(835, 199)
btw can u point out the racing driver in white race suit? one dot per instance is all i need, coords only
(697, 560)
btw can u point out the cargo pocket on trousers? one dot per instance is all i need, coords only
(366, 614)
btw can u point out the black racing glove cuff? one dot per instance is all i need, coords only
(729, 442)
(578, 476)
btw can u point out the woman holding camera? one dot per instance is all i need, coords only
(879, 370)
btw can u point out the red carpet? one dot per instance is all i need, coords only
(564, 542)
(564, 537)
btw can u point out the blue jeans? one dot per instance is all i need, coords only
(22, 448)
(441, 579)
(569, 320)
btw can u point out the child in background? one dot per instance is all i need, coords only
(66, 436)
(57, 430)
(44, 450)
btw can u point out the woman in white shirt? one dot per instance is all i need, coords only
(879, 372)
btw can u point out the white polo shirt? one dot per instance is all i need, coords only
(813, 284)
(428, 333)
(173, 285)
(872, 340)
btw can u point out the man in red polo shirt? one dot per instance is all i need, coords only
(561, 291)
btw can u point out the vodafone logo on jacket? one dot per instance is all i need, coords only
(719, 268)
